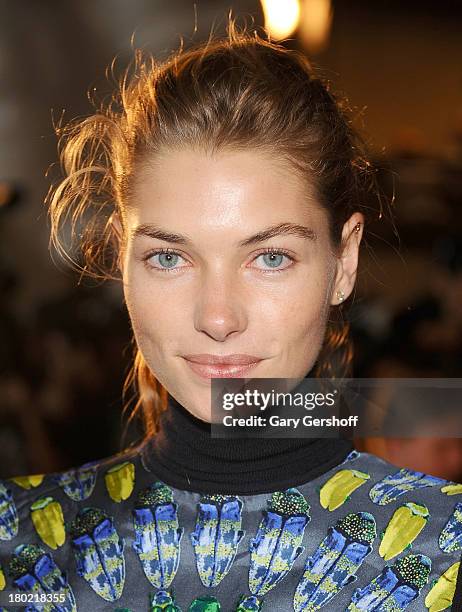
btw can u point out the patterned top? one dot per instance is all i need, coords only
(110, 535)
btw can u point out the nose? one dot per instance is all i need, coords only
(219, 310)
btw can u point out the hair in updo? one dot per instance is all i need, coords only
(236, 92)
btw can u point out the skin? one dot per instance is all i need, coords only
(222, 298)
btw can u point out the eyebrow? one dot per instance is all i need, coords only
(294, 229)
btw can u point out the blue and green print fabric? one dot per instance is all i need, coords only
(109, 535)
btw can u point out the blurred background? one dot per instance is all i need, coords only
(65, 346)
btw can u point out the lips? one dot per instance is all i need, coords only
(223, 360)
(225, 366)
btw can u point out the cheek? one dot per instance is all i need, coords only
(299, 311)
(152, 317)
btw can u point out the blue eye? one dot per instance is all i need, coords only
(167, 260)
(273, 258)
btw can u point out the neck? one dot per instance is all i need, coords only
(185, 456)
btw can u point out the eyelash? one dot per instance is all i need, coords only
(275, 251)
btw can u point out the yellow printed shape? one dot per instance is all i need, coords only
(30, 481)
(452, 489)
(2, 580)
(336, 490)
(48, 520)
(120, 480)
(403, 528)
(442, 593)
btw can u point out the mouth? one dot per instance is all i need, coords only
(222, 370)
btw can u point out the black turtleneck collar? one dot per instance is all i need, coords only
(185, 456)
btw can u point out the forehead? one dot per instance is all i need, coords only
(228, 188)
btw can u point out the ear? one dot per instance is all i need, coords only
(118, 233)
(347, 262)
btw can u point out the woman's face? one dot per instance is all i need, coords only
(217, 292)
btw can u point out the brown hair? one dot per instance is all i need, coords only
(237, 91)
